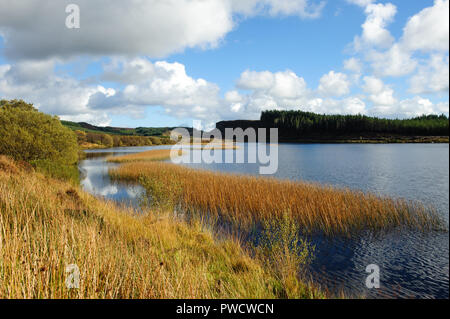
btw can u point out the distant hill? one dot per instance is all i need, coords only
(139, 131)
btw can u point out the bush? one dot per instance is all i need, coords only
(155, 140)
(283, 251)
(29, 135)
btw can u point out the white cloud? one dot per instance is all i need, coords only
(287, 91)
(361, 3)
(394, 62)
(334, 84)
(381, 95)
(432, 77)
(429, 29)
(303, 8)
(374, 32)
(165, 84)
(354, 65)
(413, 107)
(374, 28)
(35, 29)
(280, 84)
(36, 82)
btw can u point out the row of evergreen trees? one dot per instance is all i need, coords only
(299, 122)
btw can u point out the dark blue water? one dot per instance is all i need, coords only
(412, 264)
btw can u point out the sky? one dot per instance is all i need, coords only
(169, 62)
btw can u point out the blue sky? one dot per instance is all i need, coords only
(227, 59)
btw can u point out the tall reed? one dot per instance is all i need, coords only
(47, 224)
(152, 155)
(246, 201)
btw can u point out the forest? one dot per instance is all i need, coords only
(308, 127)
(299, 122)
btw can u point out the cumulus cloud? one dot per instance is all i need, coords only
(432, 77)
(429, 29)
(160, 83)
(394, 62)
(280, 84)
(361, 3)
(35, 29)
(381, 95)
(334, 84)
(37, 83)
(353, 64)
(374, 32)
(286, 90)
(413, 107)
(36, 42)
(302, 8)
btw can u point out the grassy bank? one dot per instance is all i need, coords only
(246, 201)
(47, 224)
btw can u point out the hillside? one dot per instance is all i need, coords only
(140, 131)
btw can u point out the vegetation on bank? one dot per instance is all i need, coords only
(48, 224)
(38, 139)
(91, 136)
(247, 202)
(299, 126)
(89, 140)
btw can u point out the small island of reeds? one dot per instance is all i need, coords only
(247, 201)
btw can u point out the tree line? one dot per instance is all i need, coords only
(87, 139)
(303, 123)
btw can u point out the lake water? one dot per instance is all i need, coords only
(412, 264)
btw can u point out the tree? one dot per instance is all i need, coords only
(29, 135)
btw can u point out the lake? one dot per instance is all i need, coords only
(412, 264)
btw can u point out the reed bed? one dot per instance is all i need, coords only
(46, 224)
(247, 201)
(152, 155)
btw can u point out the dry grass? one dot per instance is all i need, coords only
(47, 224)
(246, 201)
(152, 155)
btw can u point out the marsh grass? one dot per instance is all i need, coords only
(246, 201)
(47, 224)
(152, 155)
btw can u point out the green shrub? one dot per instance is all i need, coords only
(32, 136)
(282, 250)
(155, 140)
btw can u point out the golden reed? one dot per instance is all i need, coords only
(247, 201)
(46, 224)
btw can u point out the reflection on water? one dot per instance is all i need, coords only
(412, 264)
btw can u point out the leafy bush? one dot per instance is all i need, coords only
(283, 251)
(155, 140)
(29, 135)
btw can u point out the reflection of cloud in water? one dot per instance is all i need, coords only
(103, 190)
(134, 192)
